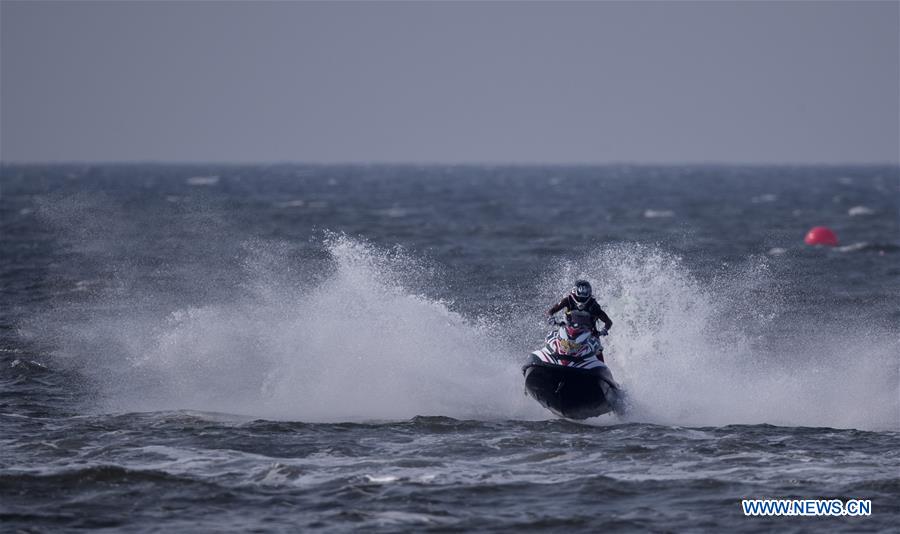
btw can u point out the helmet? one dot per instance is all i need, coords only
(582, 292)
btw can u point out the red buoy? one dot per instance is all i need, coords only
(821, 235)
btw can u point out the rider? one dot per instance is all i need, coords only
(580, 299)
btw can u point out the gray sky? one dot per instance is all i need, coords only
(510, 82)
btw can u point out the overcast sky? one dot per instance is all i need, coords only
(755, 82)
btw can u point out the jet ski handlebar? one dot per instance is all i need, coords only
(552, 321)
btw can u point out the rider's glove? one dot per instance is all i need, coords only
(602, 332)
(551, 320)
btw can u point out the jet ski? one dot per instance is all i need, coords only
(568, 376)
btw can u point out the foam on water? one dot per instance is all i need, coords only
(358, 342)
(356, 345)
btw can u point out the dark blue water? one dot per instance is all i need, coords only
(212, 348)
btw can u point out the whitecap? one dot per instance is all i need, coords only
(297, 203)
(856, 211)
(30, 365)
(658, 214)
(392, 517)
(854, 247)
(385, 479)
(202, 180)
(393, 213)
(84, 285)
(760, 199)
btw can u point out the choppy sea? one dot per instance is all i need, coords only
(212, 348)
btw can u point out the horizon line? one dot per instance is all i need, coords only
(388, 163)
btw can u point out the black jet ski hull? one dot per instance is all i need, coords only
(571, 392)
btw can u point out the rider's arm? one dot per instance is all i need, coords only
(564, 303)
(600, 314)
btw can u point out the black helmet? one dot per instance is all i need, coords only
(582, 292)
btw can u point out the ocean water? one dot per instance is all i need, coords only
(288, 347)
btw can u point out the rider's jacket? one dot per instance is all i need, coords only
(592, 307)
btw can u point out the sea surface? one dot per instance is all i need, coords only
(216, 348)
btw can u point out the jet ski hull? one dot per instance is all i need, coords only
(574, 393)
